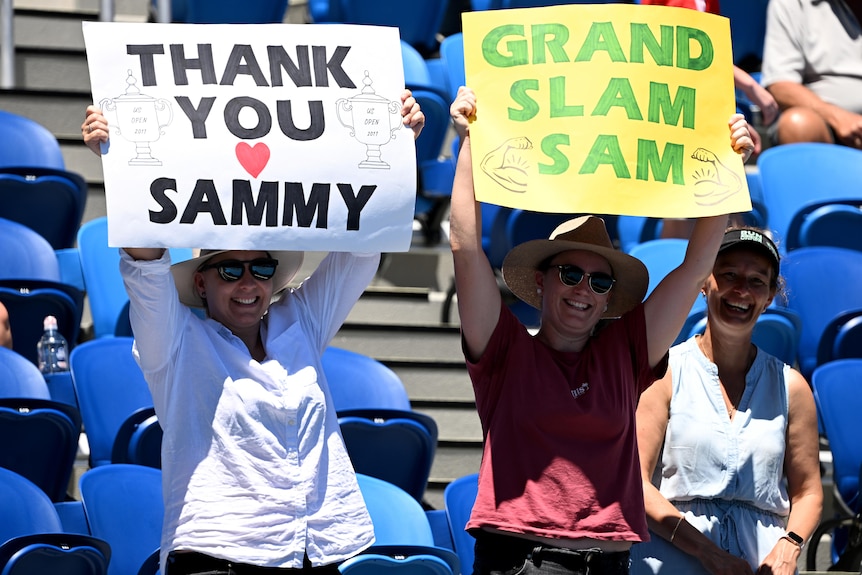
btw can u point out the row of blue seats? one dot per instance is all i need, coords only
(106, 392)
(119, 516)
(115, 528)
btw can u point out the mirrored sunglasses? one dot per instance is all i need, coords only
(600, 283)
(232, 270)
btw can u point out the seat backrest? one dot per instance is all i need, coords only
(397, 517)
(27, 311)
(68, 554)
(25, 508)
(452, 55)
(817, 301)
(357, 381)
(429, 145)
(110, 387)
(848, 342)
(50, 202)
(24, 142)
(660, 256)
(375, 564)
(231, 12)
(123, 504)
(459, 497)
(796, 175)
(848, 322)
(19, 377)
(838, 225)
(418, 21)
(777, 335)
(46, 442)
(26, 254)
(416, 73)
(139, 440)
(839, 403)
(101, 267)
(396, 446)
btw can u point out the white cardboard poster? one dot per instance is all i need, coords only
(254, 136)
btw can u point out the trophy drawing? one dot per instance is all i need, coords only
(370, 119)
(140, 119)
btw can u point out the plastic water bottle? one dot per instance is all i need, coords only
(53, 349)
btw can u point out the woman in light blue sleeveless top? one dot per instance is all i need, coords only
(728, 439)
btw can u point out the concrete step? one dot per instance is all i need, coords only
(60, 111)
(51, 68)
(400, 342)
(81, 160)
(46, 29)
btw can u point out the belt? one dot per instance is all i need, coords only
(580, 559)
(183, 562)
(498, 552)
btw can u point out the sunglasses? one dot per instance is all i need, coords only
(233, 270)
(600, 283)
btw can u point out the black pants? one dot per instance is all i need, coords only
(191, 563)
(497, 554)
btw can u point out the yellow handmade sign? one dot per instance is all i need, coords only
(605, 108)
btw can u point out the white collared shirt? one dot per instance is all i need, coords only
(254, 466)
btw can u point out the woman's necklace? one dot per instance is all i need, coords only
(731, 401)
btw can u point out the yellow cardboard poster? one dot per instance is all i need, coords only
(604, 108)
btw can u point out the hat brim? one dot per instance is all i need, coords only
(522, 262)
(184, 273)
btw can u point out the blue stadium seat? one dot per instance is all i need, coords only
(24, 142)
(101, 269)
(796, 177)
(397, 446)
(839, 403)
(123, 504)
(830, 224)
(27, 310)
(45, 442)
(21, 377)
(110, 388)
(459, 497)
(357, 381)
(818, 301)
(840, 338)
(401, 526)
(33, 537)
(46, 200)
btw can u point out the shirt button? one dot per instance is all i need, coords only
(291, 422)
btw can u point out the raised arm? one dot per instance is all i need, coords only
(478, 294)
(668, 305)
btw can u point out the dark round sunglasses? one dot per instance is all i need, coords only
(232, 270)
(600, 283)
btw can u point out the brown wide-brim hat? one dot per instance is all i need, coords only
(184, 273)
(587, 233)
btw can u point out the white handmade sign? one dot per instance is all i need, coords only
(254, 136)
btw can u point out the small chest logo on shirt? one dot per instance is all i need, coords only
(579, 391)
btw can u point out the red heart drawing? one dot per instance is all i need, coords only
(253, 158)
